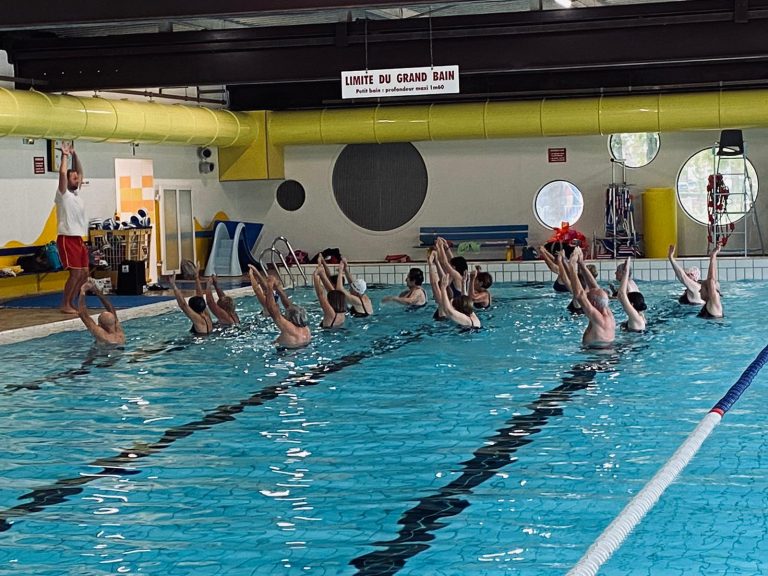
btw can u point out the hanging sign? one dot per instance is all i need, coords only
(556, 154)
(400, 82)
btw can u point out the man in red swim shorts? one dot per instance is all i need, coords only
(72, 226)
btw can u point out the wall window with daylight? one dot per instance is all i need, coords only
(557, 202)
(693, 179)
(634, 150)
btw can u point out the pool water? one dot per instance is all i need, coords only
(396, 445)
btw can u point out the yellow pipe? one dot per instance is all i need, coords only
(38, 115)
(560, 117)
(34, 114)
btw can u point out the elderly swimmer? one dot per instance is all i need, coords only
(601, 330)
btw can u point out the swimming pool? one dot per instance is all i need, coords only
(395, 445)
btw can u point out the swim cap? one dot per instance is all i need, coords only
(359, 286)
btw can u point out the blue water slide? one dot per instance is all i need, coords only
(232, 248)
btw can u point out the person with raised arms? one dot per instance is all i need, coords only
(360, 305)
(107, 329)
(294, 332)
(195, 309)
(710, 290)
(561, 283)
(633, 301)
(458, 309)
(224, 307)
(690, 278)
(601, 330)
(71, 226)
(331, 298)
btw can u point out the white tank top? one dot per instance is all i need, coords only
(70, 214)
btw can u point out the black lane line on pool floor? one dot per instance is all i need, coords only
(61, 490)
(419, 522)
(98, 357)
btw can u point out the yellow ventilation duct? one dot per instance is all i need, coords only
(566, 117)
(38, 115)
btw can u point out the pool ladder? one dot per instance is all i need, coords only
(274, 252)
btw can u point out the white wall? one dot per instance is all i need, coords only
(492, 182)
(27, 198)
(470, 183)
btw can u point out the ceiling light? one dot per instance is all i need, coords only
(564, 3)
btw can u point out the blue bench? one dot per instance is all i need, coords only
(499, 236)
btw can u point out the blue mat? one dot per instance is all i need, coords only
(54, 301)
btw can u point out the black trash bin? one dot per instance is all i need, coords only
(131, 277)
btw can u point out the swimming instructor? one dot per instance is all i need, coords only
(72, 225)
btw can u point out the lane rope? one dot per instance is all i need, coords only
(614, 535)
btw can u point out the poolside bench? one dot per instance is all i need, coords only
(28, 282)
(21, 251)
(486, 236)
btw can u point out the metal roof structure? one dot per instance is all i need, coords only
(287, 55)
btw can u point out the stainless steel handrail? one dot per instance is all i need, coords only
(274, 251)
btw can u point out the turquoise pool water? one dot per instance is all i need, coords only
(394, 446)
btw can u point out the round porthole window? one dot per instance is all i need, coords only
(634, 150)
(290, 195)
(380, 186)
(693, 179)
(557, 202)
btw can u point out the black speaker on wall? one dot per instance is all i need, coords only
(131, 277)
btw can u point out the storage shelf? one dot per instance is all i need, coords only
(116, 246)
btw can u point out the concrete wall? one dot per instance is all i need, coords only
(492, 182)
(470, 183)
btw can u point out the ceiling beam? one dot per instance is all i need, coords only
(500, 56)
(31, 14)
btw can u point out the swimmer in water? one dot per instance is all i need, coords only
(690, 278)
(601, 330)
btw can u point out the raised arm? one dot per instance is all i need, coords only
(82, 310)
(712, 272)
(198, 284)
(562, 272)
(573, 276)
(471, 284)
(215, 281)
(273, 309)
(182, 302)
(282, 294)
(549, 260)
(345, 267)
(714, 303)
(438, 295)
(621, 294)
(679, 272)
(263, 288)
(104, 300)
(447, 249)
(66, 151)
(76, 165)
(322, 272)
(444, 259)
(211, 302)
(590, 280)
(258, 290)
(320, 290)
